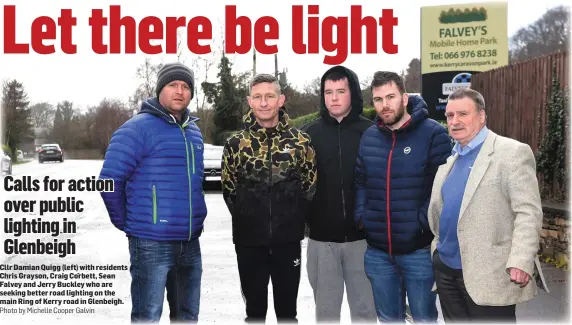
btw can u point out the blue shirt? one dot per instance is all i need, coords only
(452, 192)
(477, 140)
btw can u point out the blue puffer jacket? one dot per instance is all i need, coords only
(157, 168)
(394, 178)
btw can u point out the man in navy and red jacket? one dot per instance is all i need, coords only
(397, 161)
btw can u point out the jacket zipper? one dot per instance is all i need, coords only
(269, 140)
(154, 205)
(387, 193)
(341, 175)
(189, 178)
(174, 121)
(193, 156)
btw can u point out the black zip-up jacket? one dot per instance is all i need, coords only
(331, 214)
(268, 178)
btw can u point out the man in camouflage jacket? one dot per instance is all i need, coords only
(268, 180)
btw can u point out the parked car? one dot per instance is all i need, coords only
(213, 163)
(5, 163)
(50, 152)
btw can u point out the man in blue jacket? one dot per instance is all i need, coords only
(156, 162)
(397, 162)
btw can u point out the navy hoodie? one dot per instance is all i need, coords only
(394, 178)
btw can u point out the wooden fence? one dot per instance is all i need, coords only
(514, 94)
(516, 98)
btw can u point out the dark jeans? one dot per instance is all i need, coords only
(155, 266)
(256, 265)
(392, 277)
(457, 305)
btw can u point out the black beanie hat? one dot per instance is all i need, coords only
(175, 71)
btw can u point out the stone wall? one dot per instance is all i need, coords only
(555, 238)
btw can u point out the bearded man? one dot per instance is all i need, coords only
(397, 161)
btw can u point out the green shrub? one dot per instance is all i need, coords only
(368, 112)
(303, 120)
(7, 150)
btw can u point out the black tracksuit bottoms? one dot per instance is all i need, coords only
(256, 265)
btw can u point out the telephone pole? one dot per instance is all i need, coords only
(276, 65)
(253, 62)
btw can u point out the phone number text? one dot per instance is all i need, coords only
(463, 54)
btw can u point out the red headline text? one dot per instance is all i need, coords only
(311, 34)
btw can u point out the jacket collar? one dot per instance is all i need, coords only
(250, 123)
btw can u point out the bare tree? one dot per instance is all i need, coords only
(366, 91)
(314, 87)
(203, 68)
(206, 120)
(202, 65)
(108, 116)
(180, 57)
(413, 76)
(549, 34)
(147, 75)
(43, 115)
(365, 83)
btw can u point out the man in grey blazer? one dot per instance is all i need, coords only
(486, 215)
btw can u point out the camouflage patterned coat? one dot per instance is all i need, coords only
(268, 180)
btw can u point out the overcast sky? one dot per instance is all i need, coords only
(85, 78)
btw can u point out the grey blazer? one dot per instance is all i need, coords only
(499, 223)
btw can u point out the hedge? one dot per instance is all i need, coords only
(368, 112)
(7, 150)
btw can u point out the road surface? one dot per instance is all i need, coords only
(99, 243)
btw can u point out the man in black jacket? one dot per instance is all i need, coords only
(268, 179)
(337, 245)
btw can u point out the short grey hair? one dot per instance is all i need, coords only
(264, 77)
(472, 94)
